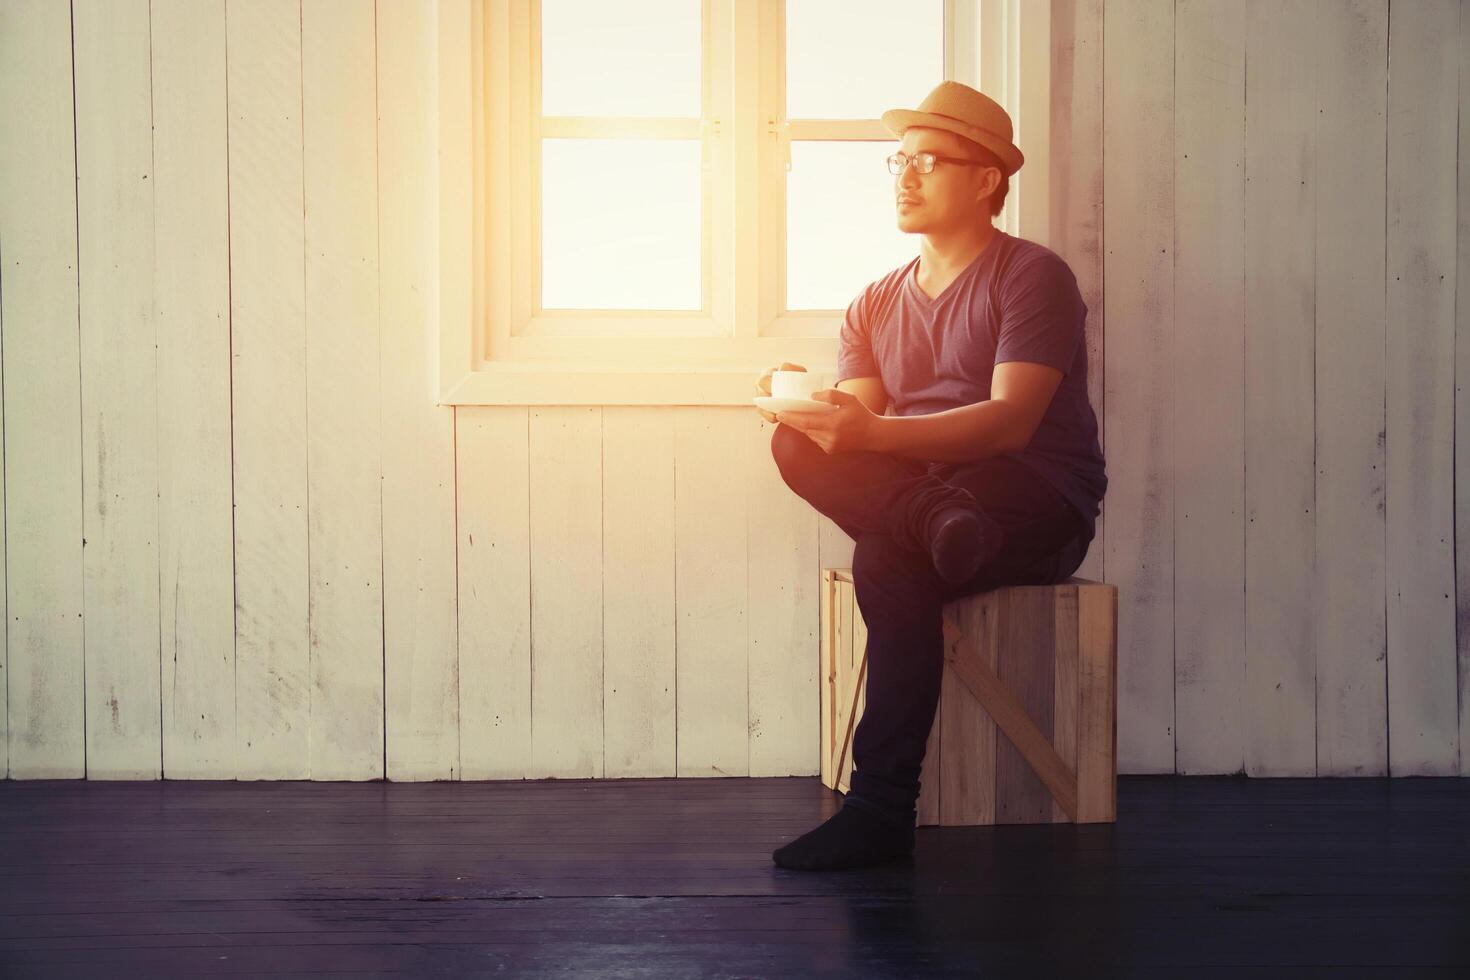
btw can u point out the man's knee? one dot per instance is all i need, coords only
(791, 449)
(880, 558)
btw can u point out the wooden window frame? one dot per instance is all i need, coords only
(496, 348)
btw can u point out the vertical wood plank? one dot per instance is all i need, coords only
(42, 393)
(1138, 241)
(4, 606)
(343, 388)
(834, 550)
(192, 317)
(566, 592)
(967, 773)
(828, 675)
(1278, 711)
(1349, 574)
(855, 680)
(1462, 405)
(1076, 194)
(1208, 440)
(1097, 720)
(711, 566)
(783, 604)
(268, 335)
(119, 388)
(930, 774)
(1064, 693)
(492, 493)
(638, 590)
(859, 657)
(420, 665)
(1027, 652)
(843, 680)
(1423, 126)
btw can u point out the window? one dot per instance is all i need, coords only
(650, 202)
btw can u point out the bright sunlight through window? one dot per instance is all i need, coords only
(621, 219)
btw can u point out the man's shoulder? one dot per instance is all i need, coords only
(1034, 258)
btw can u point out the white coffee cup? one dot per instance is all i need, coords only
(795, 384)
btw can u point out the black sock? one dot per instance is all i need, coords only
(961, 541)
(851, 838)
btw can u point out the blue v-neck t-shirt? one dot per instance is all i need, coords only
(1017, 301)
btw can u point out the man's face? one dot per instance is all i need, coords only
(952, 195)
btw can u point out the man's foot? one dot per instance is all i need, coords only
(960, 541)
(851, 838)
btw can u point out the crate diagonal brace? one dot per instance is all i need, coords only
(1011, 717)
(857, 690)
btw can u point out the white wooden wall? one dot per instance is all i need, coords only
(241, 541)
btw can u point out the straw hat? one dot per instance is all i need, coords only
(960, 109)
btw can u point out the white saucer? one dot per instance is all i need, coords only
(773, 404)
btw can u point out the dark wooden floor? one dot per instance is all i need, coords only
(1200, 877)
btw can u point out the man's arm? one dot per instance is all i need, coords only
(1020, 393)
(869, 391)
(958, 435)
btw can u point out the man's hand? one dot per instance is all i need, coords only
(763, 386)
(852, 426)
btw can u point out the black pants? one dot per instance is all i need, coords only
(882, 501)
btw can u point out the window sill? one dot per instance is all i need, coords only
(559, 383)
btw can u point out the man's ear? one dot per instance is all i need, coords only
(987, 186)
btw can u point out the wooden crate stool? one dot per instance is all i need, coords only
(1026, 728)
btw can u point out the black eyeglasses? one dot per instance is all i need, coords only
(924, 162)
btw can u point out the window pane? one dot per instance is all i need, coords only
(631, 58)
(620, 224)
(854, 59)
(841, 225)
